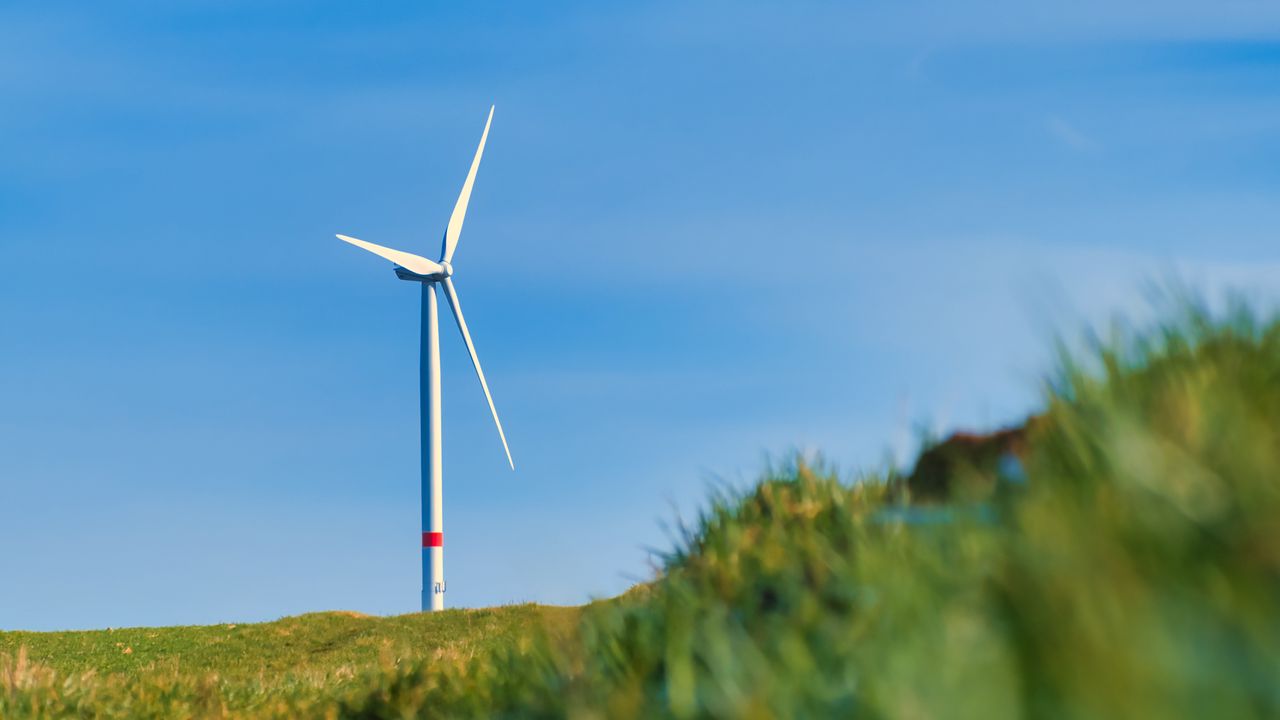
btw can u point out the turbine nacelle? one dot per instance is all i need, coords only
(445, 271)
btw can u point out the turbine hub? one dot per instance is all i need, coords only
(447, 269)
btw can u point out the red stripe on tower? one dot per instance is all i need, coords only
(432, 539)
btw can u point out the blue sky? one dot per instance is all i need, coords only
(702, 233)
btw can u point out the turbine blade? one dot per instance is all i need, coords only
(460, 209)
(452, 296)
(409, 261)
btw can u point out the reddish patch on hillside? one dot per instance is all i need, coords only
(967, 466)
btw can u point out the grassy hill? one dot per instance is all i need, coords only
(1118, 557)
(282, 667)
(309, 649)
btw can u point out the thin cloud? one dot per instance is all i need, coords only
(1070, 135)
(915, 68)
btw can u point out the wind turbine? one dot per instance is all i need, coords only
(431, 274)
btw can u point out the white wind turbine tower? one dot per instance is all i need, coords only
(429, 274)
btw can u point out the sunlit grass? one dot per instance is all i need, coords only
(297, 665)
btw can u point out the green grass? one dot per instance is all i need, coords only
(290, 666)
(1133, 572)
(315, 648)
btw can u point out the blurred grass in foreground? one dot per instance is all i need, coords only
(1132, 571)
